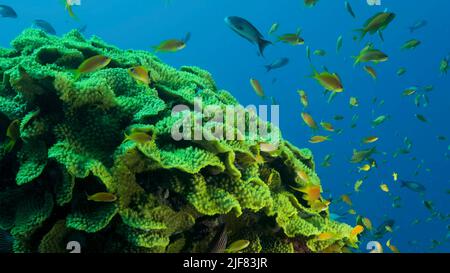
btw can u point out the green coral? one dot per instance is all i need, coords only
(172, 196)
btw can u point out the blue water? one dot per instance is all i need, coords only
(140, 24)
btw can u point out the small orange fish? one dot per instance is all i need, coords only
(370, 139)
(327, 126)
(140, 74)
(318, 139)
(172, 45)
(303, 98)
(371, 71)
(104, 197)
(92, 64)
(312, 193)
(367, 223)
(257, 87)
(138, 137)
(308, 119)
(357, 230)
(393, 248)
(346, 199)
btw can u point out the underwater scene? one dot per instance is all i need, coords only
(224, 126)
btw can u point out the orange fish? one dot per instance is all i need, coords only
(327, 126)
(346, 199)
(308, 119)
(371, 71)
(257, 87)
(312, 193)
(172, 45)
(357, 230)
(140, 74)
(318, 139)
(92, 64)
(104, 197)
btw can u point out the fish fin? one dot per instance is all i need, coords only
(262, 44)
(76, 74)
(362, 32)
(381, 35)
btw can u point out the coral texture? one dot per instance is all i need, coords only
(172, 196)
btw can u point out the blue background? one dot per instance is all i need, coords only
(139, 24)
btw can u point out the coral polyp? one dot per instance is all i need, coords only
(170, 196)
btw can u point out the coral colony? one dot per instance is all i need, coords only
(94, 161)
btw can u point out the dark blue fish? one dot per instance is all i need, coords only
(414, 186)
(45, 26)
(247, 31)
(350, 9)
(82, 29)
(277, 64)
(418, 25)
(7, 11)
(381, 230)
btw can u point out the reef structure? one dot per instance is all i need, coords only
(172, 196)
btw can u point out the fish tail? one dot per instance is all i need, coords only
(10, 146)
(362, 32)
(76, 74)
(262, 44)
(268, 68)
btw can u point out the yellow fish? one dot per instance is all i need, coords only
(293, 39)
(257, 87)
(354, 102)
(330, 81)
(308, 119)
(138, 137)
(13, 134)
(327, 126)
(358, 185)
(312, 193)
(367, 223)
(389, 229)
(346, 199)
(104, 197)
(370, 139)
(371, 71)
(140, 74)
(395, 176)
(318, 139)
(303, 98)
(172, 45)
(365, 168)
(92, 64)
(384, 187)
(393, 248)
